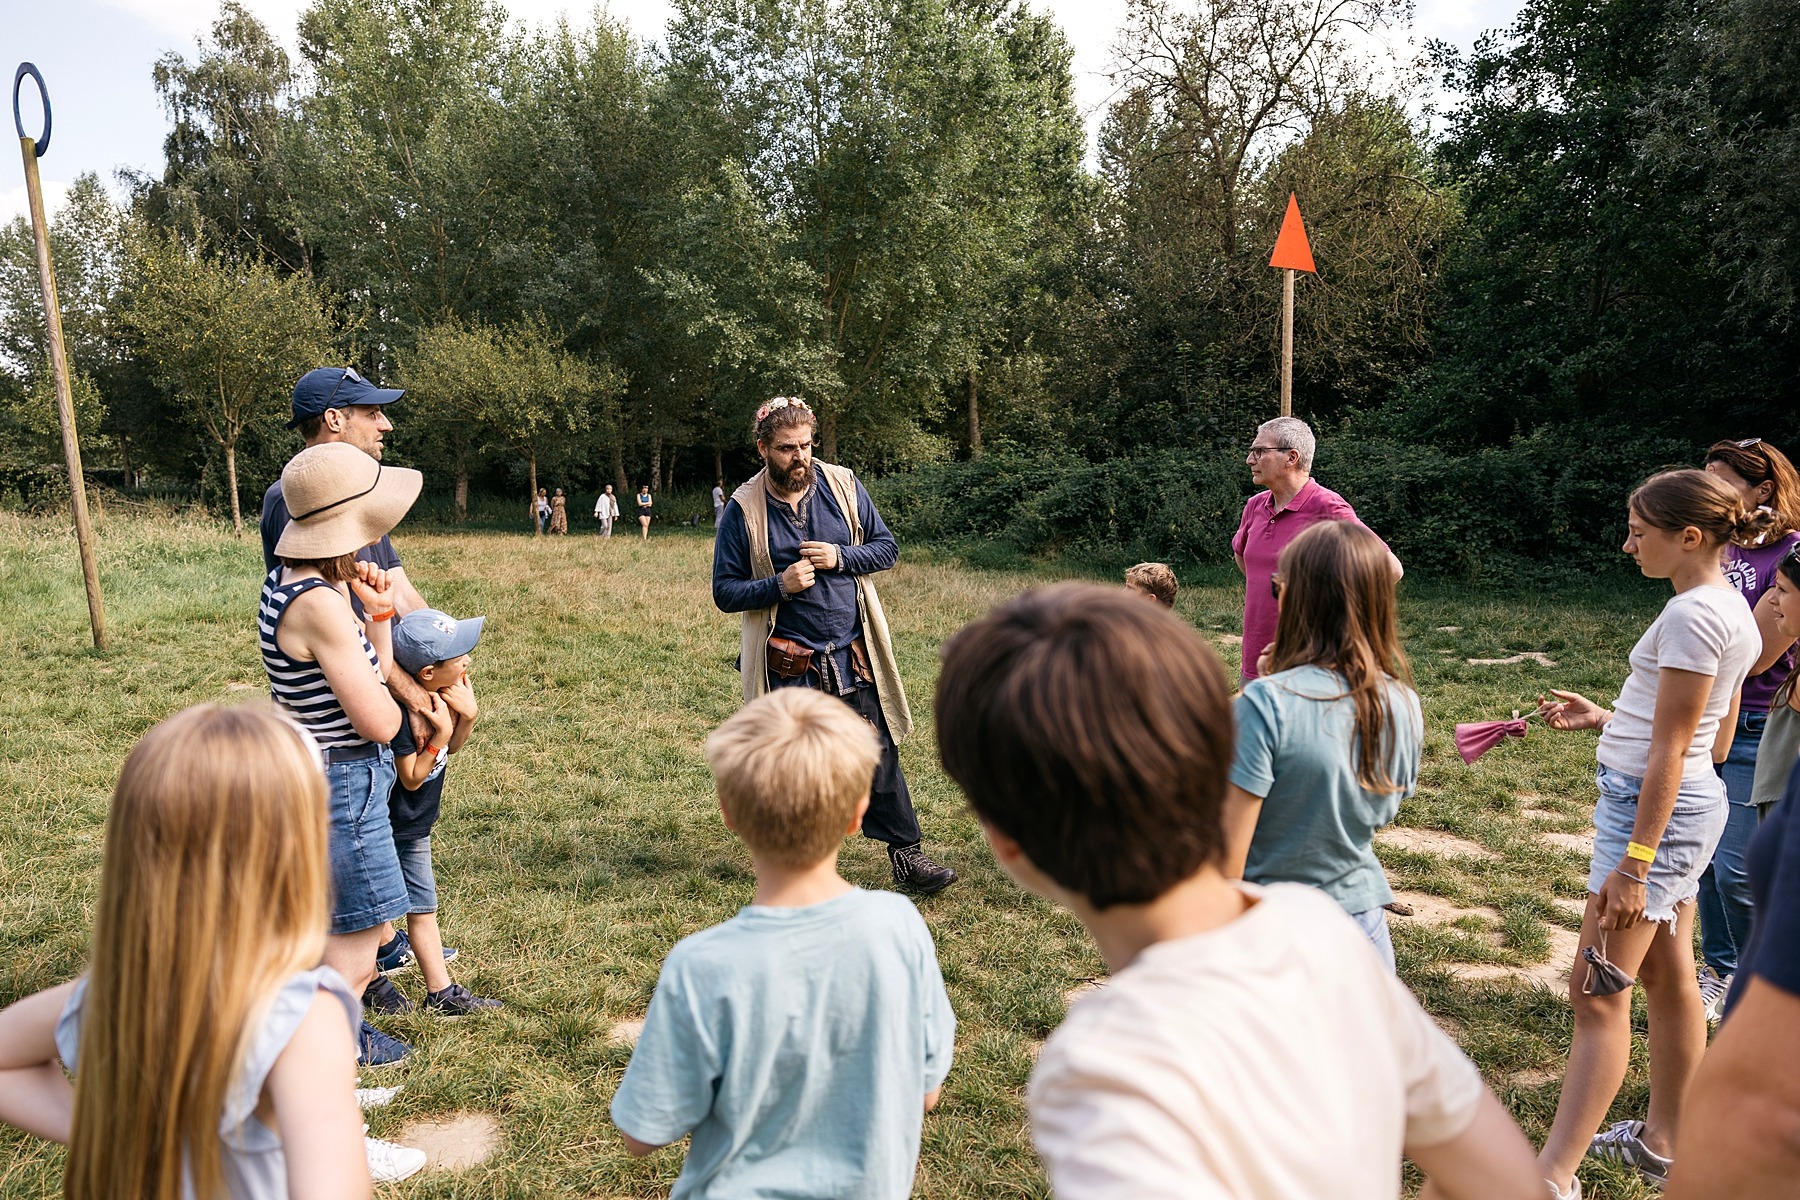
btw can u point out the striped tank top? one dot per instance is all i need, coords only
(297, 684)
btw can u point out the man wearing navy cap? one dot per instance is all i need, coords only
(335, 404)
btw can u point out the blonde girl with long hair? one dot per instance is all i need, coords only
(1328, 734)
(213, 1056)
(1661, 811)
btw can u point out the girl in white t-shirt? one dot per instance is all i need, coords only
(204, 1020)
(1660, 814)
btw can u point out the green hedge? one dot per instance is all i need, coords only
(1546, 508)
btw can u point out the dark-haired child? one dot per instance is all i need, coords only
(1250, 1043)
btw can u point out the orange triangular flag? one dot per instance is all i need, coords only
(1291, 248)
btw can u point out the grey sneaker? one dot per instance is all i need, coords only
(1713, 991)
(1623, 1142)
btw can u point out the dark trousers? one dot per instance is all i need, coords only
(890, 818)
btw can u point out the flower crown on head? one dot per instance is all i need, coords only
(780, 402)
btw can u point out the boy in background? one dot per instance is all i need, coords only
(434, 648)
(1250, 1043)
(1155, 581)
(802, 1041)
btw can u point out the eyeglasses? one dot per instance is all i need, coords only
(349, 373)
(1259, 451)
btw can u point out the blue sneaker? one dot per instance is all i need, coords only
(397, 955)
(383, 997)
(377, 1049)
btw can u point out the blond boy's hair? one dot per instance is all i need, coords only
(1156, 578)
(791, 767)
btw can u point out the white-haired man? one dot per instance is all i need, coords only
(1280, 459)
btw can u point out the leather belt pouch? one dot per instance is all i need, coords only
(788, 659)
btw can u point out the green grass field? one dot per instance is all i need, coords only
(580, 838)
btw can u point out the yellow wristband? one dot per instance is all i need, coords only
(1640, 852)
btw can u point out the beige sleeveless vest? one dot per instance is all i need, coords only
(759, 623)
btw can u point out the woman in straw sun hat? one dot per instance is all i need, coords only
(326, 669)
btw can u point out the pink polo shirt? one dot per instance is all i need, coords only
(1261, 536)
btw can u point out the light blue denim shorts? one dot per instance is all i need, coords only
(1687, 842)
(421, 880)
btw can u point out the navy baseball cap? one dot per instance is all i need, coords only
(425, 637)
(336, 387)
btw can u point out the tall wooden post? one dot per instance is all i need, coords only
(1292, 253)
(1287, 343)
(32, 149)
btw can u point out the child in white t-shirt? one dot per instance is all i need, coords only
(1250, 1043)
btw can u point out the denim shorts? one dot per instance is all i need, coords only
(415, 868)
(1374, 925)
(1687, 842)
(366, 885)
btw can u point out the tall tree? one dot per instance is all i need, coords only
(226, 337)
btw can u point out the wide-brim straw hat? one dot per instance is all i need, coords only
(340, 500)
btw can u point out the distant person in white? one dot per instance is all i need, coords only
(718, 502)
(607, 509)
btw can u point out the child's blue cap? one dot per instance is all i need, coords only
(425, 637)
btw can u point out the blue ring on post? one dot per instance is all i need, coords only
(25, 68)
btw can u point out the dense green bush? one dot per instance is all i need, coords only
(1546, 508)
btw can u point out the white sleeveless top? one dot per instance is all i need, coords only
(250, 1154)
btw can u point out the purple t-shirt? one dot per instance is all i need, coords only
(1752, 572)
(1262, 535)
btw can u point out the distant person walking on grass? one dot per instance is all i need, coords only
(1328, 738)
(559, 514)
(644, 504)
(1660, 814)
(718, 502)
(1280, 459)
(606, 511)
(795, 554)
(1763, 478)
(803, 1041)
(540, 510)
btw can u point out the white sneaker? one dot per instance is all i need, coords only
(1556, 1193)
(390, 1163)
(367, 1098)
(1713, 991)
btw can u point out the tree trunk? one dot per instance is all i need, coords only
(974, 416)
(621, 485)
(536, 525)
(828, 447)
(125, 462)
(718, 464)
(237, 515)
(462, 488)
(669, 470)
(656, 464)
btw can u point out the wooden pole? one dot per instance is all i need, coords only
(65, 401)
(1287, 343)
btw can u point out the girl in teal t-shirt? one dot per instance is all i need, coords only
(1328, 736)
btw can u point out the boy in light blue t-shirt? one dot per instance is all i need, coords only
(802, 1041)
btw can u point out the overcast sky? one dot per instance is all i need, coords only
(96, 57)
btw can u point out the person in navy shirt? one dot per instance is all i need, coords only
(789, 557)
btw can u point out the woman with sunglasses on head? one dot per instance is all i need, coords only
(1660, 814)
(1328, 733)
(1764, 480)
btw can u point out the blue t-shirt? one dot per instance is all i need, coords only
(797, 1045)
(1296, 748)
(412, 814)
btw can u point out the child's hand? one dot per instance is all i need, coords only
(1571, 710)
(460, 696)
(442, 718)
(373, 587)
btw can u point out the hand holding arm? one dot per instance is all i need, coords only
(460, 696)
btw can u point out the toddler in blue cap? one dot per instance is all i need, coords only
(434, 648)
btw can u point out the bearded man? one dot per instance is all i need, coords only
(795, 553)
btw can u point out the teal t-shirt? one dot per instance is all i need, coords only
(1296, 748)
(797, 1045)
